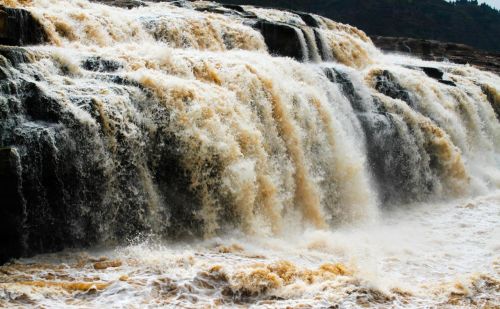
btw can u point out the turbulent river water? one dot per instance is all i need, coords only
(442, 255)
(230, 156)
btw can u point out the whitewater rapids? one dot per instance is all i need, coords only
(202, 168)
(435, 255)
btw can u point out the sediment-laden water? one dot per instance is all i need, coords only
(441, 255)
(228, 155)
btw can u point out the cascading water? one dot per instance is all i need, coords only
(184, 121)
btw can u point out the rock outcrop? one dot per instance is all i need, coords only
(440, 51)
(281, 39)
(12, 208)
(19, 27)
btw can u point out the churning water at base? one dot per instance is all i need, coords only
(425, 256)
(335, 175)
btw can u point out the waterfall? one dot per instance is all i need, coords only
(188, 119)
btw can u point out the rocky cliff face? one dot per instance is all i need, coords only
(440, 51)
(18, 27)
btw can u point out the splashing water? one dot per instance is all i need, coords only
(349, 178)
(417, 257)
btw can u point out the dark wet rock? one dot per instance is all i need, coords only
(180, 3)
(399, 180)
(347, 88)
(309, 19)
(235, 7)
(440, 51)
(11, 205)
(389, 153)
(54, 190)
(227, 9)
(437, 74)
(15, 55)
(173, 183)
(387, 84)
(319, 43)
(214, 9)
(120, 80)
(129, 4)
(44, 190)
(19, 27)
(311, 47)
(447, 82)
(59, 172)
(242, 12)
(281, 39)
(38, 106)
(98, 64)
(433, 72)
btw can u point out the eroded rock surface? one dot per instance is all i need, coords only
(19, 27)
(440, 51)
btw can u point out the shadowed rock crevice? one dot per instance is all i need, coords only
(387, 84)
(99, 64)
(281, 39)
(12, 209)
(19, 27)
